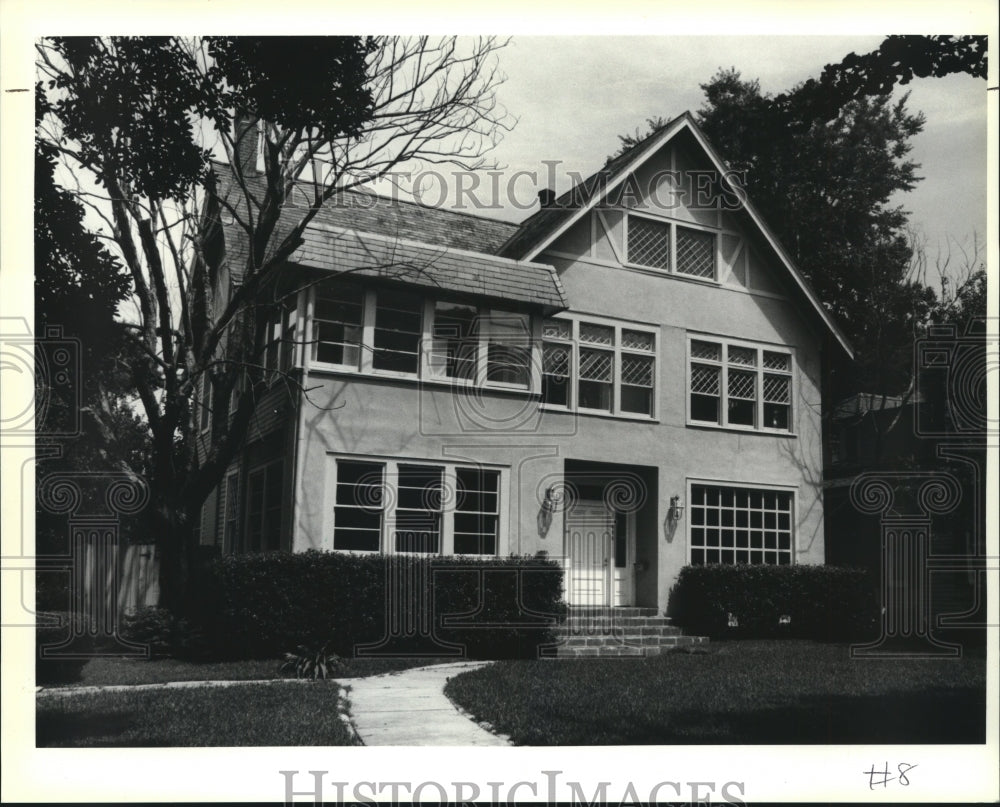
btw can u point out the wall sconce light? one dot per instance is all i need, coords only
(553, 498)
(675, 511)
(551, 501)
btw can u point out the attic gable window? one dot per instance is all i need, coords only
(695, 253)
(671, 247)
(648, 242)
(739, 385)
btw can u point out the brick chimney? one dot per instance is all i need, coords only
(246, 136)
(546, 196)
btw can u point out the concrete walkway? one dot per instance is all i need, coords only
(410, 708)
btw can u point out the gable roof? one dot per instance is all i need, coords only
(405, 242)
(539, 230)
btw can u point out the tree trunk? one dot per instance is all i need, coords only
(175, 544)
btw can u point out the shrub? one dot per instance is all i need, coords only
(257, 606)
(828, 603)
(307, 662)
(164, 633)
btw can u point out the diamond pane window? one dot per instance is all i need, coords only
(745, 356)
(695, 253)
(709, 351)
(705, 393)
(648, 243)
(777, 361)
(745, 386)
(742, 398)
(557, 329)
(742, 385)
(556, 359)
(637, 384)
(637, 340)
(777, 388)
(597, 370)
(777, 400)
(596, 334)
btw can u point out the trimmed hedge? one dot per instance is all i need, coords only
(259, 606)
(827, 603)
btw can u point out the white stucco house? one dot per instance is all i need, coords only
(629, 380)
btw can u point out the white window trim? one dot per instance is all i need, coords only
(575, 346)
(425, 373)
(730, 483)
(389, 480)
(673, 224)
(725, 342)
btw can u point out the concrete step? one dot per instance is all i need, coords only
(624, 651)
(622, 611)
(627, 622)
(617, 633)
(618, 641)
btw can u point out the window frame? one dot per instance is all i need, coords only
(428, 365)
(390, 503)
(673, 226)
(791, 490)
(265, 468)
(617, 350)
(724, 365)
(231, 501)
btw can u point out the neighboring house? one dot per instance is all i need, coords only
(629, 380)
(907, 440)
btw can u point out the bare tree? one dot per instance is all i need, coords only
(136, 123)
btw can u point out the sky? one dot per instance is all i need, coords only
(572, 96)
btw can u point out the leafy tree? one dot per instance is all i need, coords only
(136, 122)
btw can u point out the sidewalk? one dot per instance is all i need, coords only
(409, 708)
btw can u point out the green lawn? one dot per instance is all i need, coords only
(113, 671)
(767, 692)
(250, 714)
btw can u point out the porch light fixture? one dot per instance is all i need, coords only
(675, 511)
(553, 498)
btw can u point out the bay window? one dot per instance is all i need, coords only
(456, 341)
(398, 331)
(508, 348)
(402, 333)
(337, 323)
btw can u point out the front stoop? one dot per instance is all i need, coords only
(618, 632)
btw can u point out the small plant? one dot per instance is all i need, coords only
(312, 663)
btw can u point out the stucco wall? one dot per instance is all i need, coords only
(397, 419)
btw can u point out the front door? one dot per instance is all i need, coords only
(598, 555)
